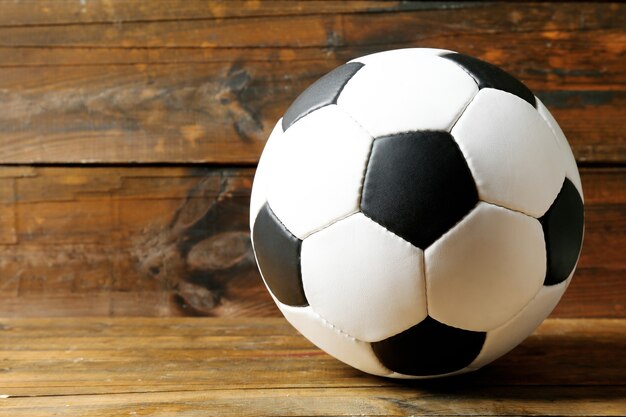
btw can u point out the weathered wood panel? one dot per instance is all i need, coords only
(251, 367)
(123, 82)
(209, 112)
(161, 241)
(380, 402)
(128, 241)
(329, 23)
(54, 12)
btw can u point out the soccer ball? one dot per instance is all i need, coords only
(417, 213)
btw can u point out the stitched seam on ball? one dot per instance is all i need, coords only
(358, 208)
(367, 158)
(465, 70)
(532, 217)
(336, 98)
(554, 135)
(508, 208)
(354, 120)
(471, 100)
(326, 226)
(467, 165)
(506, 323)
(558, 144)
(349, 337)
(565, 285)
(334, 328)
(382, 226)
(279, 220)
(364, 175)
(461, 114)
(269, 207)
(522, 310)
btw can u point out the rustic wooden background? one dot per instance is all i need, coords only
(129, 132)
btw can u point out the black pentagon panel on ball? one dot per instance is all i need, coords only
(487, 75)
(563, 226)
(321, 93)
(418, 185)
(429, 348)
(278, 255)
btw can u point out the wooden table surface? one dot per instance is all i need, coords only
(248, 367)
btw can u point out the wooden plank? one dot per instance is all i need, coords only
(95, 241)
(7, 211)
(54, 12)
(132, 114)
(202, 89)
(314, 23)
(239, 367)
(81, 302)
(215, 112)
(124, 346)
(401, 401)
(91, 241)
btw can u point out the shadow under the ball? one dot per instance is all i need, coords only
(555, 360)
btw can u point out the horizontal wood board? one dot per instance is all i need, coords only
(161, 241)
(204, 82)
(236, 367)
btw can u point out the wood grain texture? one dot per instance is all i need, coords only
(128, 241)
(163, 241)
(224, 367)
(197, 82)
(53, 12)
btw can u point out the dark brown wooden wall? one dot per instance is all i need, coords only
(129, 132)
